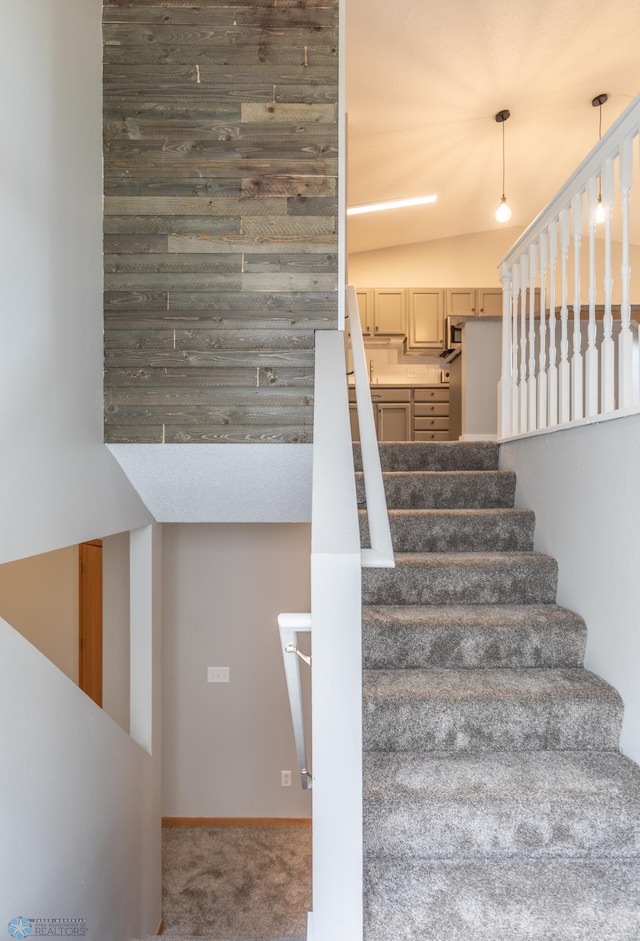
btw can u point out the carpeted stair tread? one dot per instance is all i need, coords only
(435, 456)
(502, 804)
(510, 900)
(467, 530)
(481, 710)
(445, 490)
(463, 578)
(472, 636)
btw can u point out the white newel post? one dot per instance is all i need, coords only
(522, 384)
(564, 396)
(625, 340)
(553, 354)
(591, 356)
(532, 392)
(577, 406)
(607, 379)
(542, 366)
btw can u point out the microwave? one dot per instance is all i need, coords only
(452, 334)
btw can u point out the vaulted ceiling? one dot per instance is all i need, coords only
(425, 79)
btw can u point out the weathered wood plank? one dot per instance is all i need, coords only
(205, 244)
(185, 434)
(161, 281)
(195, 415)
(181, 339)
(201, 30)
(288, 262)
(294, 184)
(141, 359)
(135, 244)
(321, 59)
(178, 264)
(283, 301)
(157, 129)
(143, 182)
(136, 300)
(285, 227)
(186, 87)
(196, 206)
(287, 114)
(310, 206)
(286, 6)
(223, 16)
(203, 377)
(173, 225)
(217, 397)
(286, 281)
(206, 320)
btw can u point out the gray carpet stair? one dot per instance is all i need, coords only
(497, 806)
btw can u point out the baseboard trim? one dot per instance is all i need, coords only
(160, 927)
(236, 821)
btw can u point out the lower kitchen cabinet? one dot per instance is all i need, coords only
(406, 414)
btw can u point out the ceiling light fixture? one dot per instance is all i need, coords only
(503, 212)
(598, 102)
(394, 204)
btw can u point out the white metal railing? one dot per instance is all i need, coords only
(336, 624)
(569, 344)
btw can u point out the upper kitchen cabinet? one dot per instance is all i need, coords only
(383, 311)
(426, 319)
(474, 302)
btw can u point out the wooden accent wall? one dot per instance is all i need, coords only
(220, 165)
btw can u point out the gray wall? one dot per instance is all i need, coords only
(583, 485)
(224, 746)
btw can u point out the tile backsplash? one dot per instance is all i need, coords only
(388, 364)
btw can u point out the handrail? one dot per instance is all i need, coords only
(574, 262)
(380, 555)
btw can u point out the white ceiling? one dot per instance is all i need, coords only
(425, 79)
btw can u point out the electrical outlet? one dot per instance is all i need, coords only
(285, 779)
(217, 674)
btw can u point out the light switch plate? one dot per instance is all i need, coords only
(217, 674)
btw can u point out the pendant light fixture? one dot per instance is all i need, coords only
(598, 102)
(503, 212)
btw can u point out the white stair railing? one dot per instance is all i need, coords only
(335, 623)
(575, 362)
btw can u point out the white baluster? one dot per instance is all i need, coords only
(532, 392)
(515, 300)
(542, 358)
(505, 422)
(564, 391)
(607, 388)
(577, 378)
(591, 356)
(522, 385)
(553, 369)
(626, 392)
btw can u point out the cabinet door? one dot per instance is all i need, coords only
(426, 318)
(365, 306)
(393, 421)
(461, 301)
(390, 312)
(490, 302)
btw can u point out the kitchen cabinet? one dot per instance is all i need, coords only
(426, 319)
(383, 311)
(431, 414)
(392, 414)
(474, 302)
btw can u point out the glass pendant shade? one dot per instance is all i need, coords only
(503, 212)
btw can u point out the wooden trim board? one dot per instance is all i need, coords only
(236, 821)
(160, 927)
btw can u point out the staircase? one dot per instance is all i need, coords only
(497, 806)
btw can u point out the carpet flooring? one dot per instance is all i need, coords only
(236, 883)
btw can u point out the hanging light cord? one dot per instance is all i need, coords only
(503, 162)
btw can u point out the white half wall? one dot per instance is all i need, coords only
(583, 485)
(224, 745)
(58, 483)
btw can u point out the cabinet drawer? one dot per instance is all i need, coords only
(431, 436)
(431, 395)
(429, 409)
(390, 395)
(431, 424)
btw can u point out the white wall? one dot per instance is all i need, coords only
(464, 261)
(583, 485)
(224, 746)
(39, 598)
(481, 364)
(58, 483)
(79, 819)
